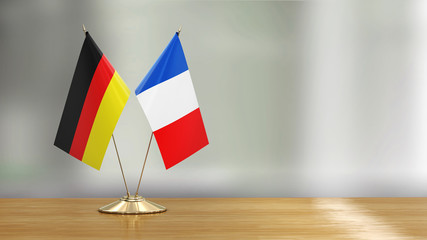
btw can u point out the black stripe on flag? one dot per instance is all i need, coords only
(90, 55)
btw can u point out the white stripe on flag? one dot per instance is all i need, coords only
(169, 101)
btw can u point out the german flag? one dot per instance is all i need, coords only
(95, 101)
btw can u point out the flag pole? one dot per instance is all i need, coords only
(114, 141)
(143, 166)
(121, 168)
(149, 144)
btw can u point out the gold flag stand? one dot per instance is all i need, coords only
(132, 204)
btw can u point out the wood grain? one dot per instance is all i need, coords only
(219, 218)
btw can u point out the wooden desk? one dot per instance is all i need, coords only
(221, 218)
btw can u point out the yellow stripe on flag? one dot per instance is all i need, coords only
(108, 114)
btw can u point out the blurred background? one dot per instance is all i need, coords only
(299, 98)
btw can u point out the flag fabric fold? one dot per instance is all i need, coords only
(169, 101)
(94, 104)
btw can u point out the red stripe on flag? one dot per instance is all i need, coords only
(100, 81)
(182, 138)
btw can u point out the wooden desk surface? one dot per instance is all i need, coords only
(219, 218)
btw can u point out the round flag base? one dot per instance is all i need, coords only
(132, 205)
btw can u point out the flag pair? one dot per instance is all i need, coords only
(98, 95)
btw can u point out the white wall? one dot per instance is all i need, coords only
(323, 98)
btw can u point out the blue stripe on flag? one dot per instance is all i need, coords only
(170, 63)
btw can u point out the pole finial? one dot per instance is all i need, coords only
(84, 28)
(179, 30)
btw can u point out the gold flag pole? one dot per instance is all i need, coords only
(115, 145)
(143, 166)
(149, 144)
(121, 168)
(129, 204)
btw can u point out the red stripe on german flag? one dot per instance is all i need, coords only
(100, 81)
(94, 104)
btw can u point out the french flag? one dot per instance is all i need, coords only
(169, 101)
